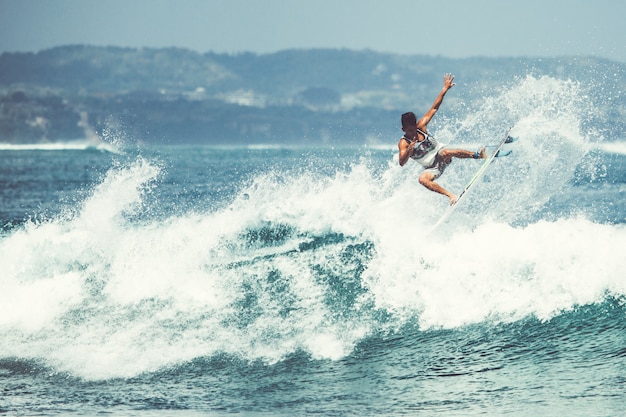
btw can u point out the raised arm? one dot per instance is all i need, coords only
(448, 83)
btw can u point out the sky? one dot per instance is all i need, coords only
(449, 28)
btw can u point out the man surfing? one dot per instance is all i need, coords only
(423, 148)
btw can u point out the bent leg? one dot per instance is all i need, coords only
(427, 180)
(448, 154)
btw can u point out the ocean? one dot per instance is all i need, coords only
(144, 280)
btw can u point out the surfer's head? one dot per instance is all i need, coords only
(409, 125)
(408, 120)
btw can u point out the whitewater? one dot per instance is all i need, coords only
(294, 281)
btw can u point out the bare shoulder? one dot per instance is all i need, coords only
(423, 122)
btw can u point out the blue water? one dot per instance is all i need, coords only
(286, 281)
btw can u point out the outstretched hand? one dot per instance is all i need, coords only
(448, 81)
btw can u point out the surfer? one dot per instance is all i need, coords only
(420, 146)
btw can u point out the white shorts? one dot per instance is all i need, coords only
(437, 167)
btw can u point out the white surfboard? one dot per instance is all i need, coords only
(479, 174)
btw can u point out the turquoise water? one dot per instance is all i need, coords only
(281, 281)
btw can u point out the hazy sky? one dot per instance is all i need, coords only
(450, 28)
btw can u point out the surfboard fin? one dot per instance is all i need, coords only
(501, 153)
(510, 139)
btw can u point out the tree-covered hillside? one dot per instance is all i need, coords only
(175, 95)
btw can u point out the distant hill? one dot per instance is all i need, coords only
(175, 95)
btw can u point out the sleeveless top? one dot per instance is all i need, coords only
(425, 151)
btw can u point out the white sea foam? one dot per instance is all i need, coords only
(99, 295)
(61, 146)
(618, 148)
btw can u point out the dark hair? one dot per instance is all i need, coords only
(409, 119)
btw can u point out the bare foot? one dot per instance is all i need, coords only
(482, 154)
(453, 199)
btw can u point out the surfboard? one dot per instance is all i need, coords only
(472, 182)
